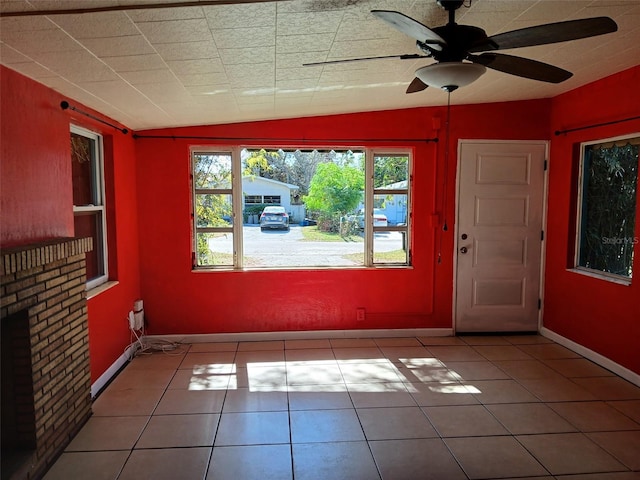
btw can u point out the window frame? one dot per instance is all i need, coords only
(372, 191)
(237, 196)
(576, 267)
(99, 205)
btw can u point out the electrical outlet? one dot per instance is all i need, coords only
(360, 314)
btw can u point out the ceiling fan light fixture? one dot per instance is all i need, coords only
(450, 75)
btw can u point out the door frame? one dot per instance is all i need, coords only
(456, 240)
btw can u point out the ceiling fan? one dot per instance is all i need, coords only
(458, 49)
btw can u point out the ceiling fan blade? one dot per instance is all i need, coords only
(522, 67)
(411, 27)
(416, 85)
(549, 33)
(406, 56)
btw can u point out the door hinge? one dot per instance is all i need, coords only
(541, 235)
(539, 303)
(545, 165)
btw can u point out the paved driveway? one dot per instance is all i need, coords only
(280, 248)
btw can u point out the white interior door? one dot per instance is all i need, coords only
(499, 236)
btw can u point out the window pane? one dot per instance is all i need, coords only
(609, 183)
(214, 249)
(390, 207)
(212, 171)
(390, 247)
(83, 170)
(318, 190)
(390, 172)
(213, 210)
(89, 224)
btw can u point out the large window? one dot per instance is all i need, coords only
(294, 208)
(607, 207)
(88, 200)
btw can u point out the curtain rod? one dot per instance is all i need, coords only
(568, 130)
(291, 140)
(65, 105)
(120, 8)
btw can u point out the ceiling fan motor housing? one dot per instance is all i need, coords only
(459, 39)
(450, 4)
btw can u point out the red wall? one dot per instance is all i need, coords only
(598, 314)
(178, 300)
(36, 198)
(35, 180)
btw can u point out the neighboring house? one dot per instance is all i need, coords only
(259, 190)
(393, 206)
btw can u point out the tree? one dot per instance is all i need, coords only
(258, 163)
(334, 191)
(389, 170)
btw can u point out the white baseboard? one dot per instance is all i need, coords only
(104, 379)
(302, 335)
(593, 356)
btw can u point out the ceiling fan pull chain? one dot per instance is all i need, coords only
(447, 131)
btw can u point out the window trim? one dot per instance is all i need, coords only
(100, 206)
(577, 268)
(237, 196)
(214, 150)
(372, 191)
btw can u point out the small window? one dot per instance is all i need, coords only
(272, 199)
(252, 199)
(607, 207)
(87, 170)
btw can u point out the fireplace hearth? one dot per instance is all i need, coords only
(46, 383)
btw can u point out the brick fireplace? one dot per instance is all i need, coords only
(46, 384)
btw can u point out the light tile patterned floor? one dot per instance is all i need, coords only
(474, 407)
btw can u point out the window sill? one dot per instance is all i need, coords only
(301, 268)
(103, 287)
(601, 276)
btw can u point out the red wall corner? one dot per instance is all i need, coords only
(36, 198)
(600, 315)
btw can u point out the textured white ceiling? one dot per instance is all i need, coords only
(233, 63)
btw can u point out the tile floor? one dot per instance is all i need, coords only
(385, 408)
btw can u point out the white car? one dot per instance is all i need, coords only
(379, 218)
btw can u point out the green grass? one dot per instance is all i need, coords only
(312, 234)
(394, 257)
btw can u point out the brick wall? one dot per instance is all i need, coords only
(45, 284)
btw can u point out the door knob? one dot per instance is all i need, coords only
(463, 250)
